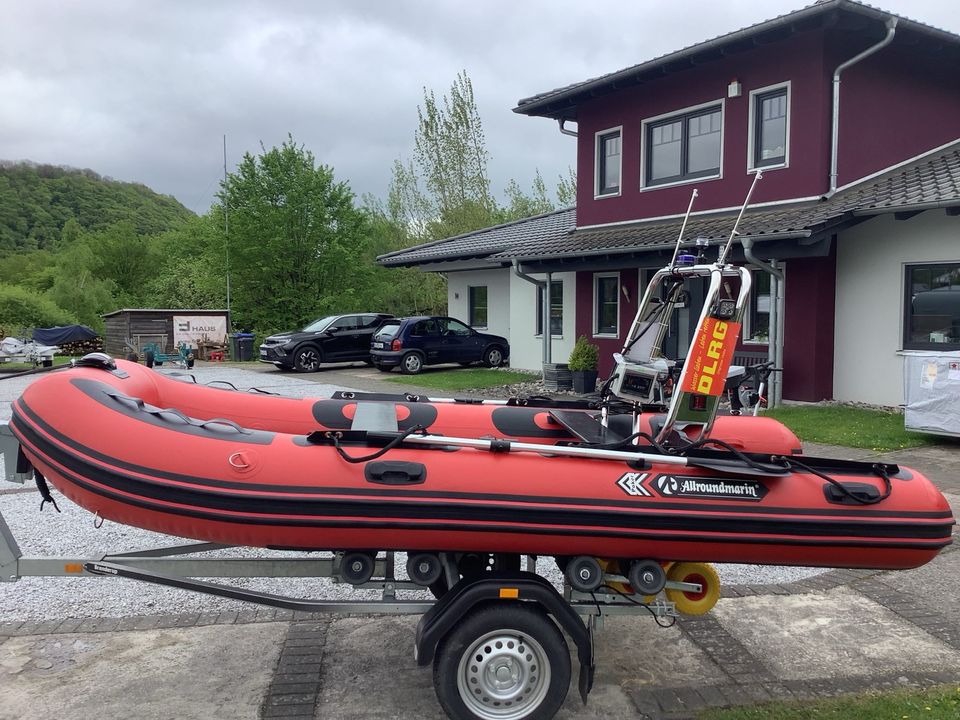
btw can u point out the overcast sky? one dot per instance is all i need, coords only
(144, 91)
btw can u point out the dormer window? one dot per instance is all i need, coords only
(770, 126)
(683, 146)
(608, 162)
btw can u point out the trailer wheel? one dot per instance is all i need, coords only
(506, 661)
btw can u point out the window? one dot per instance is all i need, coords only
(758, 328)
(606, 304)
(932, 307)
(477, 306)
(769, 140)
(556, 308)
(684, 147)
(348, 322)
(449, 326)
(608, 163)
(425, 328)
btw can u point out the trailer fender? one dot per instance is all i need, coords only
(501, 586)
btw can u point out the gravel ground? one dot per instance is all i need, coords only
(72, 534)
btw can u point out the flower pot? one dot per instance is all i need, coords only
(584, 381)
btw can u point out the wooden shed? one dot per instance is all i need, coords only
(165, 327)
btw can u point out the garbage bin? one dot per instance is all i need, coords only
(241, 346)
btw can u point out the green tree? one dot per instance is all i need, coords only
(191, 271)
(21, 308)
(567, 188)
(294, 239)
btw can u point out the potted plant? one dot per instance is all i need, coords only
(583, 365)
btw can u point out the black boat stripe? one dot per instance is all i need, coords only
(499, 529)
(853, 513)
(298, 506)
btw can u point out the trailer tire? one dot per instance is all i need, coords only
(503, 660)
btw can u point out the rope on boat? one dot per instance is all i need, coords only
(877, 468)
(44, 490)
(335, 435)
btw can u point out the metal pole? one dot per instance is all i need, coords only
(226, 224)
(547, 332)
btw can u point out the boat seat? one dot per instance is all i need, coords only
(586, 427)
(375, 417)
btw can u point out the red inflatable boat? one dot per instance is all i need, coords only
(361, 473)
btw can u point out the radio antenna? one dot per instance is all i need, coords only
(683, 227)
(733, 233)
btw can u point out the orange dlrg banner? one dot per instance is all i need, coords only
(705, 371)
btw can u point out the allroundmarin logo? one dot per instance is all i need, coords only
(699, 487)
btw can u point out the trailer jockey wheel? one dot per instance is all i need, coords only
(646, 577)
(694, 603)
(584, 573)
(505, 661)
(356, 568)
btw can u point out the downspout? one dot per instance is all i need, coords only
(775, 344)
(835, 120)
(547, 332)
(540, 284)
(571, 133)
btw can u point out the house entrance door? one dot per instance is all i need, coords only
(684, 320)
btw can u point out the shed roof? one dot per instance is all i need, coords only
(169, 311)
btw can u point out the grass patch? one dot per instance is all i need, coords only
(932, 704)
(850, 426)
(463, 379)
(18, 366)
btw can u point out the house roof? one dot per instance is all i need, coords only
(561, 103)
(927, 182)
(486, 242)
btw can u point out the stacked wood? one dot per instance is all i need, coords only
(82, 348)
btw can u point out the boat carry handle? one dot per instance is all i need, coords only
(395, 472)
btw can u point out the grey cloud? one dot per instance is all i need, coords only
(145, 91)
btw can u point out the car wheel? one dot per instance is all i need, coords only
(411, 363)
(493, 357)
(307, 359)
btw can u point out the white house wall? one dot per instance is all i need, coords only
(871, 259)
(497, 283)
(511, 312)
(526, 347)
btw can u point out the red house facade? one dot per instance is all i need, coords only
(851, 112)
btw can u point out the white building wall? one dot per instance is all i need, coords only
(871, 260)
(498, 298)
(511, 312)
(526, 347)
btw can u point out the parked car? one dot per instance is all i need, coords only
(411, 343)
(331, 339)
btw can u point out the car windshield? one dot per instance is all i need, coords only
(321, 324)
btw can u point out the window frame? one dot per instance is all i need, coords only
(906, 313)
(646, 127)
(538, 326)
(599, 164)
(596, 308)
(471, 306)
(749, 330)
(753, 127)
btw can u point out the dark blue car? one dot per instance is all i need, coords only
(411, 343)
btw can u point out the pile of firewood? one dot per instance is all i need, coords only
(82, 348)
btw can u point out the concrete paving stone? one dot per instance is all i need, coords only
(295, 688)
(293, 651)
(27, 628)
(668, 700)
(645, 703)
(303, 667)
(144, 623)
(712, 696)
(10, 627)
(283, 615)
(68, 625)
(108, 625)
(246, 616)
(129, 623)
(304, 698)
(690, 698)
(227, 617)
(289, 711)
(161, 673)
(309, 628)
(294, 641)
(167, 621)
(188, 619)
(836, 634)
(208, 618)
(288, 660)
(281, 678)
